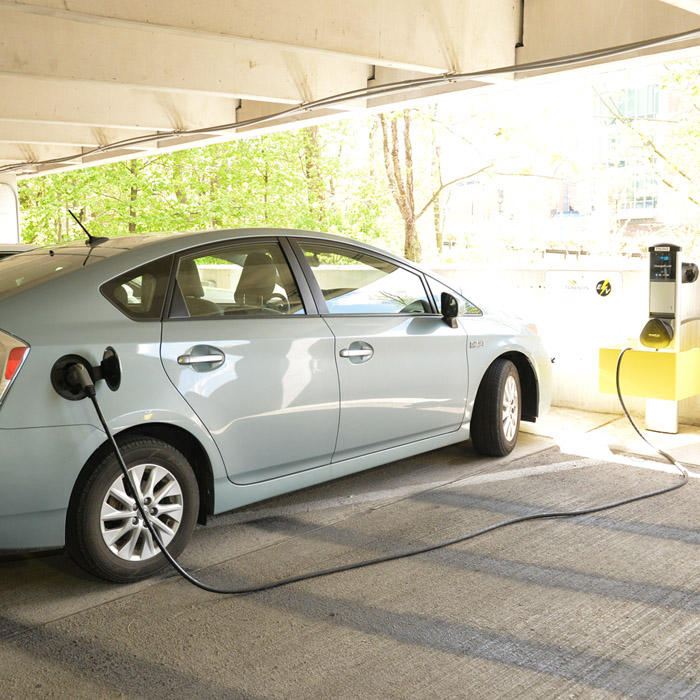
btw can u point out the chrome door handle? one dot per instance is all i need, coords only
(198, 359)
(202, 358)
(358, 352)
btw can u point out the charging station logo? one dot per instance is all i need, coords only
(576, 286)
(603, 288)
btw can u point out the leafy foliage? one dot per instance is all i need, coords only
(296, 179)
(478, 178)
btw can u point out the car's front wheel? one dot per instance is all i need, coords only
(105, 532)
(496, 417)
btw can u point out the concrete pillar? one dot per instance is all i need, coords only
(9, 210)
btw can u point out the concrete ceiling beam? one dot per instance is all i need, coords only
(554, 28)
(64, 134)
(38, 101)
(42, 158)
(436, 36)
(687, 5)
(59, 48)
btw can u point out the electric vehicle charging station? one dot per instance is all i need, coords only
(663, 366)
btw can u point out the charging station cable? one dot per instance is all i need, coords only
(665, 455)
(79, 374)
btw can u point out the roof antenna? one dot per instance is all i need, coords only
(92, 240)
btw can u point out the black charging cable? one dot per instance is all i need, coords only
(80, 374)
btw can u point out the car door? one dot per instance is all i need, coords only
(253, 360)
(402, 370)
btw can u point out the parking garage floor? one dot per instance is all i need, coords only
(599, 606)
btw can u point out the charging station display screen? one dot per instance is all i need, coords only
(662, 265)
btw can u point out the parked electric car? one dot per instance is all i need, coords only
(240, 365)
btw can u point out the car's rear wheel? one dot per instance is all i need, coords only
(105, 532)
(496, 417)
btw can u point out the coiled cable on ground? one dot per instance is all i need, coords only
(397, 555)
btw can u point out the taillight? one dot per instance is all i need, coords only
(13, 352)
(14, 362)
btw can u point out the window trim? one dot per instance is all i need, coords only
(299, 279)
(459, 295)
(307, 296)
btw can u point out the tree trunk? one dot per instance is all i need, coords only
(133, 196)
(400, 177)
(438, 218)
(436, 168)
(412, 248)
(314, 177)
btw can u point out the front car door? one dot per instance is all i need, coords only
(403, 371)
(252, 359)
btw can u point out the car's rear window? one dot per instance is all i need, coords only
(140, 293)
(21, 272)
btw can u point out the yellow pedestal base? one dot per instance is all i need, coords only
(651, 374)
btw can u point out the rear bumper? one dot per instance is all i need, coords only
(38, 468)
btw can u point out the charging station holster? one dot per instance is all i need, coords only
(656, 334)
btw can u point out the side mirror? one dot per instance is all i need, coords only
(451, 309)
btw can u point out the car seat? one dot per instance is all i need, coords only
(193, 292)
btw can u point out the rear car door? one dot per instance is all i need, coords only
(403, 371)
(253, 359)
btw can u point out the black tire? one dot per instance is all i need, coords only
(496, 417)
(105, 535)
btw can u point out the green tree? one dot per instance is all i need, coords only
(297, 179)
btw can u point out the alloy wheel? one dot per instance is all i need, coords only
(121, 523)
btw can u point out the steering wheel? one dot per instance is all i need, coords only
(278, 302)
(418, 306)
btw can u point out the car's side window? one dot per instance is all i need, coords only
(248, 279)
(437, 288)
(140, 293)
(353, 282)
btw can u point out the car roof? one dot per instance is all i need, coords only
(155, 245)
(104, 259)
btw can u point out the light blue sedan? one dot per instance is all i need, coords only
(239, 365)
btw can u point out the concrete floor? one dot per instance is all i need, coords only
(600, 606)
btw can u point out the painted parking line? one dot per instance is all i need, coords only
(650, 464)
